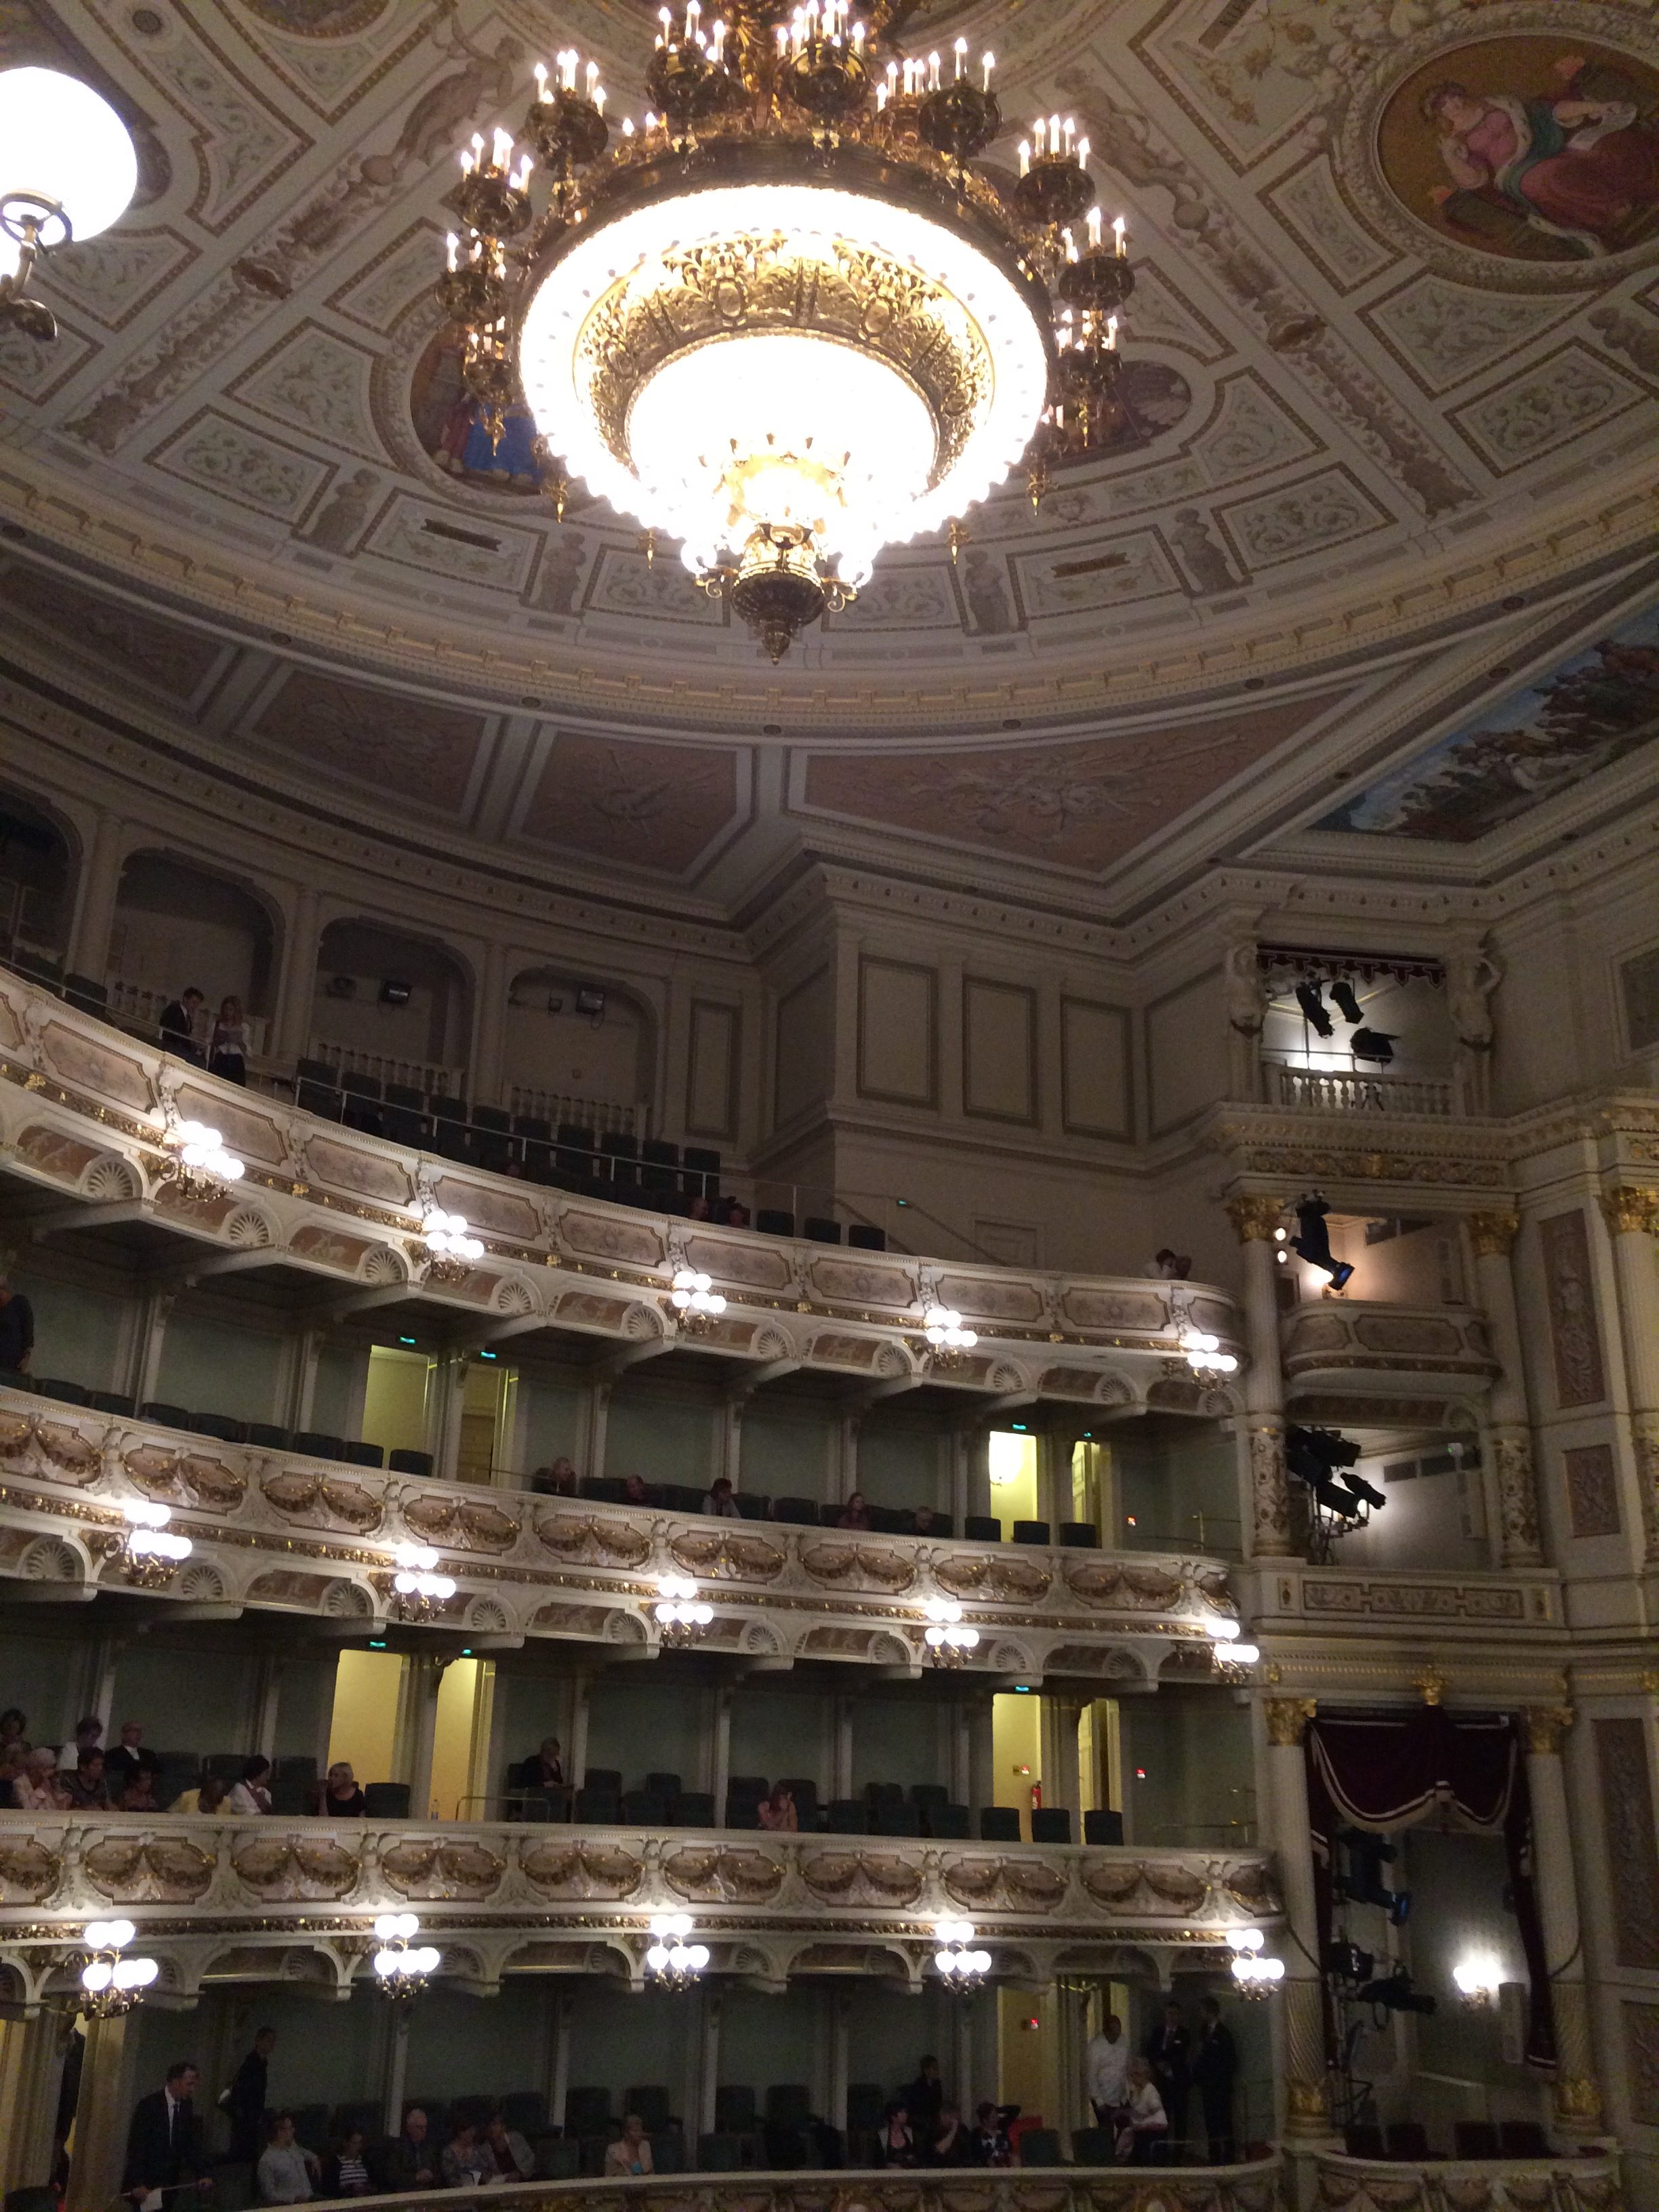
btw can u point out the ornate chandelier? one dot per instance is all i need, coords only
(784, 321)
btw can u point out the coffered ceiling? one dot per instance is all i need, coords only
(1387, 456)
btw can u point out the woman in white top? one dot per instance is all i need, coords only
(288, 2172)
(36, 1788)
(228, 1049)
(253, 1793)
(1144, 2127)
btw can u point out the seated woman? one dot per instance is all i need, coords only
(466, 2162)
(36, 1789)
(637, 1491)
(778, 1811)
(631, 2153)
(898, 2142)
(343, 1796)
(208, 1796)
(558, 1480)
(855, 1514)
(288, 2172)
(953, 2145)
(346, 2175)
(1144, 2129)
(253, 1793)
(718, 1499)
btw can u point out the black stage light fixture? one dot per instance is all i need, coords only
(1313, 1242)
(1373, 1044)
(1395, 1993)
(1342, 991)
(590, 1001)
(1307, 997)
(394, 993)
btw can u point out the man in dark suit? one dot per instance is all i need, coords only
(178, 1025)
(1214, 2069)
(1168, 2053)
(164, 2143)
(245, 2100)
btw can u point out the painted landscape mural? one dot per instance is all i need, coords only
(1593, 710)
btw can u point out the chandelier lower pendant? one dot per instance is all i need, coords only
(784, 321)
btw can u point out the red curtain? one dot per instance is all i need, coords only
(1390, 1770)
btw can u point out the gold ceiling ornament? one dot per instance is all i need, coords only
(1630, 1209)
(1254, 1220)
(781, 318)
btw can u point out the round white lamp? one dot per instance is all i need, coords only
(68, 170)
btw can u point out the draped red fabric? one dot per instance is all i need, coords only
(1383, 1770)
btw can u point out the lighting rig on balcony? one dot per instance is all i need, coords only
(671, 1962)
(68, 170)
(1254, 1978)
(197, 1161)
(417, 1590)
(960, 1967)
(446, 1247)
(402, 1967)
(948, 1342)
(111, 1982)
(151, 1550)
(697, 1304)
(948, 1642)
(680, 1616)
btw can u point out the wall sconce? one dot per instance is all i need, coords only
(402, 1968)
(1477, 1976)
(109, 1984)
(151, 1550)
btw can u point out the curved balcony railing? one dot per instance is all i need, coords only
(278, 1530)
(1371, 1347)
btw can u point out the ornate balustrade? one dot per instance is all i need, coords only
(1587, 2182)
(279, 1530)
(83, 1110)
(1359, 1349)
(1325, 1091)
(217, 1899)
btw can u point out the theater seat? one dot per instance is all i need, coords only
(1051, 1824)
(1104, 1828)
(386, 1801)
(998, 1824)
(405, 1462)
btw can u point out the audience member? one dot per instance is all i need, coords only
(737, 1214)
(208, 1796)
(924, 2099)
(1107, 2067)
(14, 1727)
(1168, 2052)
(244, 2103)
(1143, 2126)
(165, 2149)
(699, 1209)
(16, 1329)
(637, 1491)
(253, 1793)
(855, 1514)
(558, 1480)
(1214, 2069)
(121, 1760)
(543, 1770)
(36, 1789)
(898, 2142)
(12, 1760)
(139, 1794)
(992, 2144)
(342, 1796)
(718, 1499)
(227, 1047)
(406, 2160)
(778, 1811)
(466, 2163)
(84, 1788)
(87, 1734)
(288, 2172)
(1168, 1267)
(952, 2144)
(178, 1025)
(922, 1521)
(346, 2174)
(630, 2154)
(514, 2160)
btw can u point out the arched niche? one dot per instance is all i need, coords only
(401, 1003)
(560, 1051)
(177, 924)
(36, 863)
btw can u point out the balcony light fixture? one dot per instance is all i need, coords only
(402, 1967)
(112, 1984)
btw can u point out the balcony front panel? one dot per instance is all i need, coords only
(1333, 1347)
(253, 1899)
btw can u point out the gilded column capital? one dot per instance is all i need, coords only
(1630, 1208)
(1546, 1725)
(1287, 1720)
(1255, 1218)
(1493, 1234)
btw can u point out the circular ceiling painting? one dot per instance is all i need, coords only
(1532, 148)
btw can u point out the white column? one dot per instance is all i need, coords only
(1307, 2104)
(30, 2067)
(1509, 1422)
(148, 1340)
(264, 1699)
(839, 2010)
(847, 1452)
(981, 1755)
(489, 1027)
(416, 1728)
(297, 985)
(840, 1763)
(575, 1733)
(709, 2022)
(304, 1351)
(449, 1405)
(599, 1415)
(1577, 2096)
(961, 1752)
(1632, 1214)
(728, 1437)
(397, 2068)
(962, 2057)
(102, 2111)
(97, 891)
(715, 1766)
(1060, 1756)
(558, 2087)
(1269, 1522)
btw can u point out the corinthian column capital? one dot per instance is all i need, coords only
(1493, 1234)
(1546, 1725)
(1255, 1218)
(1630, 1207)
(1287, 1720)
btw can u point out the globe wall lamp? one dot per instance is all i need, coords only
(1254, 1978)
(418, 1590)
(1477, 1977)
(1205, 1355)
(948, 1342)
(948, 1642)
(1234, 1658)
(68, 170)
(445, 1246)
(672, 1962)
(402, 1967)
(111, 1983)
(680, 1615)
(697, 1304)
(959, 1966)
(198, 1162)
(150, 1549)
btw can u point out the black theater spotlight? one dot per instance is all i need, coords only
(1395, 1993)
(1367, 1856)
(1313, 1240)
(1307, 997)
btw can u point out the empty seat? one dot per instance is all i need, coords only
(1474, 2139)
(662, 1785)
(293, 1763)
(1104, 1827)
(68, 1394)
(558, 2158)
(85, 992)
(442, 1107)
(893, 1519)
(638, 1807)
(734, 2108)
(452, 1140)
(796, 1512)
(948, 1823)
(170, 1416)
(818, 1229)
(982, 1529)
(292, 1797)
(1408, 2139)
(404, 1461)
(403, 1122)
(1039, 2147)
(848, 1816)
(1521, 2139)
(680, 1498)
(742, 1813)
(659, 1164)
(650, 2100)
(1032, 1532)
(773, 1221)
(1079, 1535)
(866, 2103)
(694, 1809)
(322, 1099)
(608, 1489)
(722, 2152)
(524, 2110)
(598, 1808)
(121, 1402)
(929, 1793)
(267, 1436)
(752, 1505)
(316, 1071)
(1363, 2143)
(1051, 1824)
(358, 1454)
(492, 1141)
(897, 1819)
(576, 1148)
(700, 1172)
(587, 2110)
(865, 1237)
(667, 2150)
(386, 1801)
(998, 1824)
(607, 1780)
(495, 1119)
(217, 1425)
(788, 2105)
(319, 1445)
(619, 1153)
(553, 1804)
(1094, 2147)
(404, 1094)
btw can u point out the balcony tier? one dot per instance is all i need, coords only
(1364, 1349)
